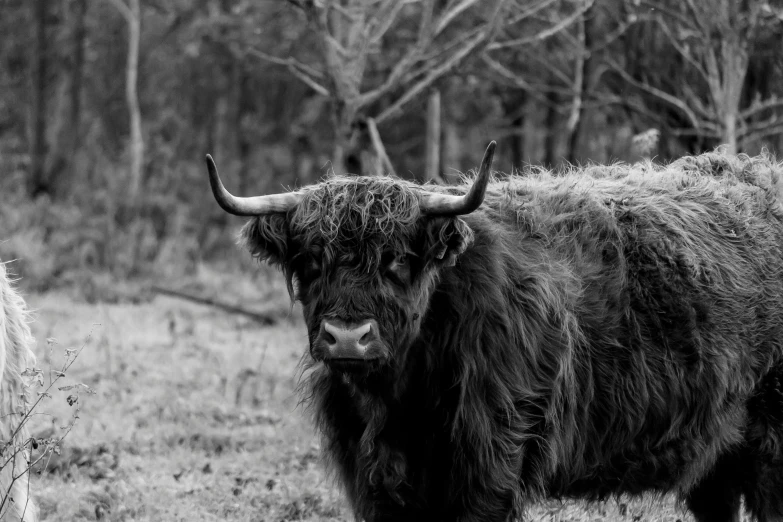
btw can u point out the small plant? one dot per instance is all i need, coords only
(24, 388)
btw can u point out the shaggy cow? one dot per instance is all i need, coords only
(612, 330)
(16, 342)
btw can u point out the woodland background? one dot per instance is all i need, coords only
(109, 106)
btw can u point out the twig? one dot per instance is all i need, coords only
(379, 148)
(671, 100)
(297, 68)
(447, 17)
(543, 35)
(124, 10)
(259, 317)
(434, 74)
(771, 103)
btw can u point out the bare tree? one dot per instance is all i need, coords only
(131, 11)
(430, 38)
(715, 43)
(550, 62)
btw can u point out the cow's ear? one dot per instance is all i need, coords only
(266, 237)
(445, 239)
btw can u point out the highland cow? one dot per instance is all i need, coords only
(476, 348)
(16, 356)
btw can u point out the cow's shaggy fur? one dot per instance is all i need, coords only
(16, 356)
(616, 329)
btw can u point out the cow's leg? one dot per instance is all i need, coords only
(717, 497)
(764, 494)
(763, 487)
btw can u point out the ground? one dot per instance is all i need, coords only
(196, 415)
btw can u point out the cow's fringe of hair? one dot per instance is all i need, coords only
(16, 342)
(363, 212)
(343, 207)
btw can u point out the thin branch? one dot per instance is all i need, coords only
(757, 135)
(263, 318)
(393, 80)
(296, 68)
(433, 75)
(403, 66)
(772, 103)
(662, 8)
(337, 46)
(548, 63)
(446, 18)
(319, 18)
(617, 33)
(481, 37)
(317, 87)
(522, 15)
(698, 16)
(514, 79)
(290, 61)
(378, 145)
(125, 11)
(546, 33)
(680, 49)
(695, 102)
(343, 11)
(425, 23)
(701, 133)
(577, 102)
(668, 98)
(386, 16)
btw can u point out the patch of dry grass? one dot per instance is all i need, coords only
(196, 418)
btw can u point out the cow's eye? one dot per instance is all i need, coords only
(399, 269)
(311, 269)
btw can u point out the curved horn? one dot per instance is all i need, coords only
(450, 205)
(255, 206)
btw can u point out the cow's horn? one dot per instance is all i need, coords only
(450, 205)
(255, 206)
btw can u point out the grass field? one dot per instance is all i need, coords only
(196, 416)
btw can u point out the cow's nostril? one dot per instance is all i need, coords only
(366, 338)
(328, 338)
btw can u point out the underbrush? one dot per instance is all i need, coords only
(99, 237)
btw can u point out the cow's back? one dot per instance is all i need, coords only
(673, 278)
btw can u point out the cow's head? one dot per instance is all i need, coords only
(362, 255)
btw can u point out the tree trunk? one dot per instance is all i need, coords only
(730, 131)
(226, 91)
(244, 107)
(37, 182)
(132, 71)
(352, 150)
(77, 79)
(452, 149)
(432, 160)
(734, 68)
(550, 126)
(65, 112)
(582, 72)
(515, 107)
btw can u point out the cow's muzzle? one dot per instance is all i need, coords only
(344, 345)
